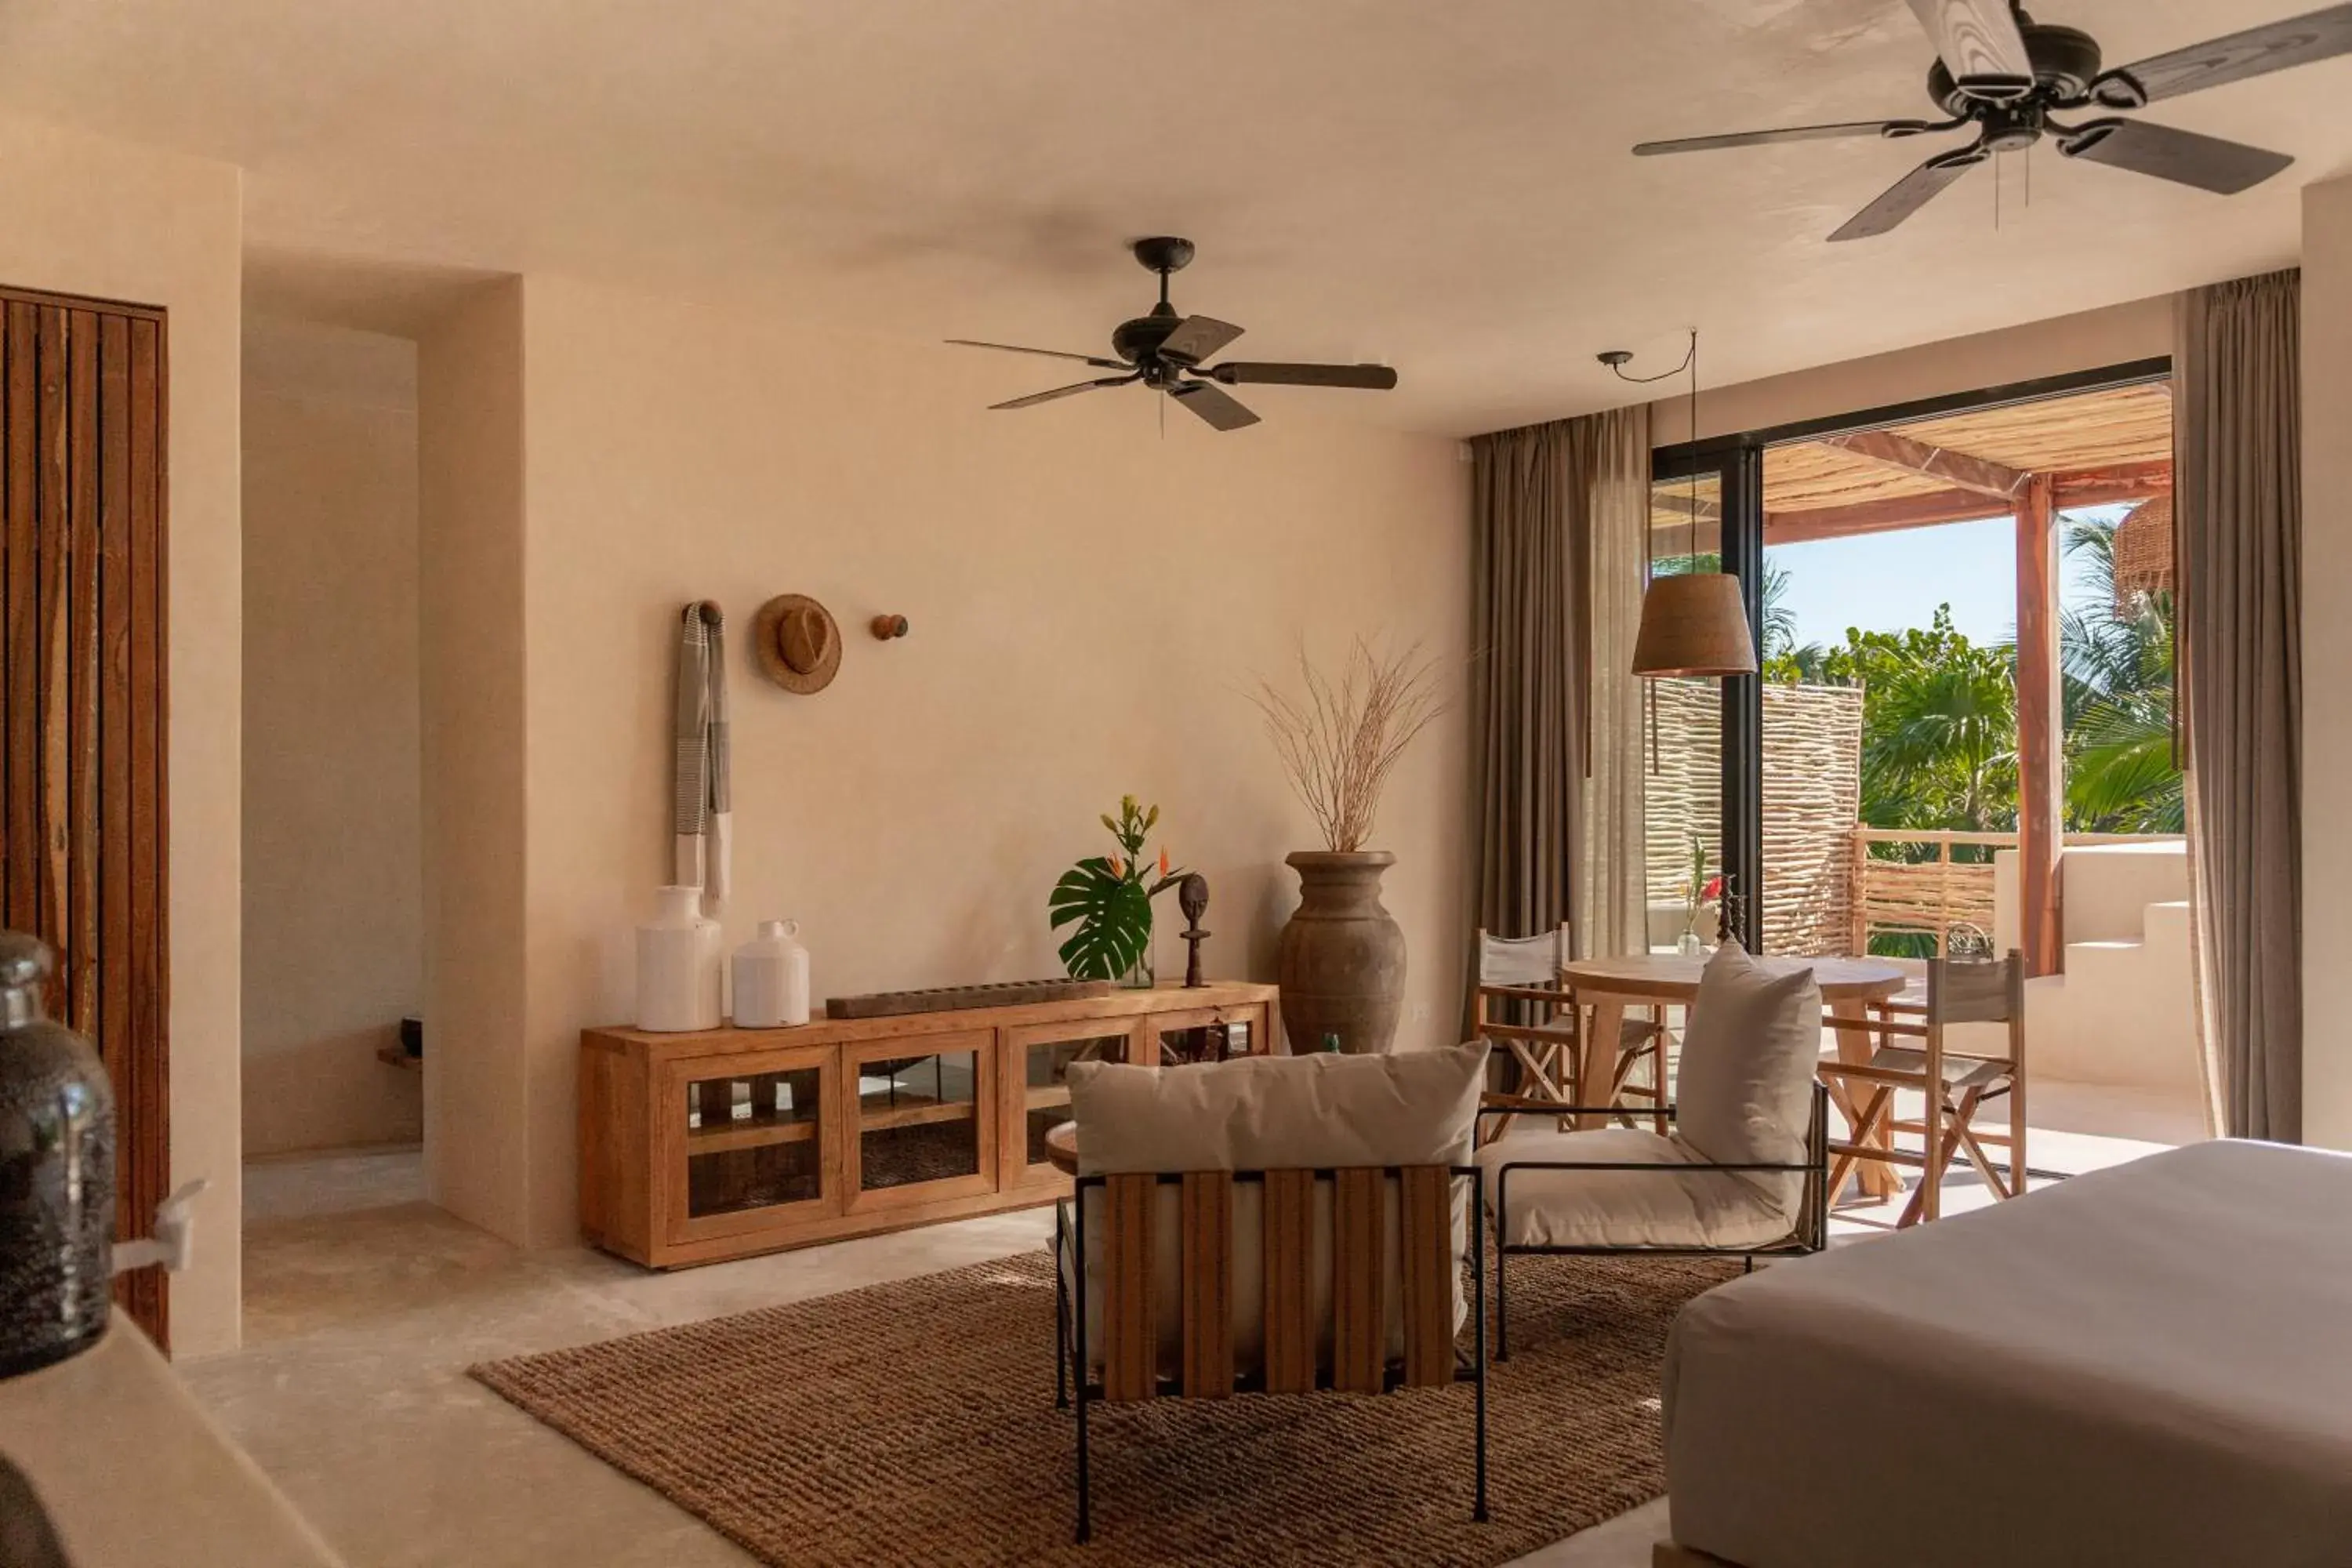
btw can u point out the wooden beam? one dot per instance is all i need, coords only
(1683, 504)
(2110, 485)
(1678, 539)
(1881, 516)
(2040, 756)
(1962, 470)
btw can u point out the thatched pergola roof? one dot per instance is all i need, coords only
(2093, 448)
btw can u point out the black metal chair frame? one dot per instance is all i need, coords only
(1070, 1328)
(1811, 1235)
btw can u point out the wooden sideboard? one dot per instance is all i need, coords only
(718, 1144)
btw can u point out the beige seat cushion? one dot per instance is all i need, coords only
(1744, 1093)
(1622, 1208)
(1320, 1113)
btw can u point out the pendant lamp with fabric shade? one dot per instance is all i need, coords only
(1693, 623)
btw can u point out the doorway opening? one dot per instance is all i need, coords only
(1962, 739)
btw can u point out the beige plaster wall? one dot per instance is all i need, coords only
(1088, 596)
(2116, 335)
(470, 664)
(87, 215)
(333, 910)
(2326, 654)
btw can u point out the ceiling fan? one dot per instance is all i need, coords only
(2008, 76)
(1164, 350)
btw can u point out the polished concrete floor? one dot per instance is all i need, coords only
(364, 1305)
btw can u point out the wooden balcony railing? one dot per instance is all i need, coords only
(1929, 896)
(1932, 895)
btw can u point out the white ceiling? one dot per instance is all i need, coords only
(1443, 184)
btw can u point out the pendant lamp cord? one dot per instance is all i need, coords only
(1691, 359)
(1690, 364)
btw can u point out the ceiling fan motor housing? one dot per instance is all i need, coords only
(2065, 63)
(1140, 339)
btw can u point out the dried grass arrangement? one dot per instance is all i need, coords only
(1340, 741)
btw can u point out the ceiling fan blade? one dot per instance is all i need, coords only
(1259, 373)
(2257, 51)
(1912, 192)
(1037, 397)
(1049, 353)
(1981, 44)
(1196, 338)
(2184, 157)
(1212, 404)
(1791, 134)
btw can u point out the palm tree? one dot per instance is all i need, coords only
(1780, 620)
(2122, 774)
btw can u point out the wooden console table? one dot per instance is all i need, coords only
(699, 1147)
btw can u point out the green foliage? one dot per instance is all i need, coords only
(1109, 897)
(1939, 712)
(2122, 775)
(1114, 918)
(1939, 726)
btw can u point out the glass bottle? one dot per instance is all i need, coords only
(56, 1173)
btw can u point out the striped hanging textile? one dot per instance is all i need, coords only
(701, 802)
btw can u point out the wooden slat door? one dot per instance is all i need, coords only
(82, 702)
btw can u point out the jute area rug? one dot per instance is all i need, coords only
(914, 1423)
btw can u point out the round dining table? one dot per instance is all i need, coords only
(1061, 1147)
(1610, 985)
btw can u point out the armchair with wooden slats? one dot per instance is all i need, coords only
(1524, 976)
(1955, 1081)
(1208, 1283)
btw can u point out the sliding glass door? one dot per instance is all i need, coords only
(1701, 795)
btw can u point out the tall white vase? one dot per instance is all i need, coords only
(679, 961)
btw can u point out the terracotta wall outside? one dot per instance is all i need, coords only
(1088, 600)
(333, 912)
(87, 215)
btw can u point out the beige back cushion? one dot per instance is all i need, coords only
(1743, 1092)
(1271, 1113)
(1325, 1112)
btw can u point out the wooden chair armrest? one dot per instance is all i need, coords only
(1875, 1026)
(1528, 994)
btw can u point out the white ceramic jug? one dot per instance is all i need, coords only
(678, 965)
(772, 978)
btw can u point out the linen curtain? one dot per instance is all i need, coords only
(2238, 521)
(1612, 897)
(1538, 495)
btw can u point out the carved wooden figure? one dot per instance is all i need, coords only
(1192, 898)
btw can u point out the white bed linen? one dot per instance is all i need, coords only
(2150, 1365)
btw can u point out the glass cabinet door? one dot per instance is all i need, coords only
(1037, 1063)
(925, 1117)
(1210, 1034)
(751, 1131)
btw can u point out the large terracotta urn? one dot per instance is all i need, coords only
(1342, 968)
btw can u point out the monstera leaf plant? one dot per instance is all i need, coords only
(1108, 899)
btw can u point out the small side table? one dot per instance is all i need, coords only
(1061, 1147)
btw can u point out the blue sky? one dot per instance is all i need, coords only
(1889, 582)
